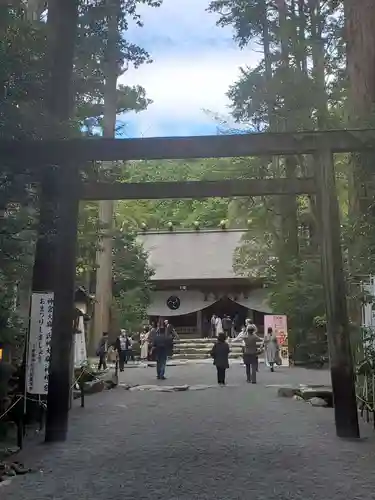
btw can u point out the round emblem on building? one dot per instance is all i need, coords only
(173, 302)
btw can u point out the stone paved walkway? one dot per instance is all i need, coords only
(237, 442)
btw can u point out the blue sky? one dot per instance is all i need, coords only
(194, 64)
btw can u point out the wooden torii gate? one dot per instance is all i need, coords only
(67, 155)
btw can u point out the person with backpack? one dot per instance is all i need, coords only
(250, 355)
(161, 339)
(227, 326)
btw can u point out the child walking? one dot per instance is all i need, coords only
(220, 355)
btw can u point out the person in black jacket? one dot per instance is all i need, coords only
(220, 355)
(161, 339)
(102, 351)
(227, 326)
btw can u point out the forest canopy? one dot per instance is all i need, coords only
(307, 78)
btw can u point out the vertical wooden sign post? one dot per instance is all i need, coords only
(338, 329)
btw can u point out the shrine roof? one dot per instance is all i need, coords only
(191, 255)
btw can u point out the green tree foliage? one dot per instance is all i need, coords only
(297, 85)
(91, 60)
(131, 280)
(22, 115)
(182, 213)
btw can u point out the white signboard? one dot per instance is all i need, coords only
(39, 348)
(80, 352)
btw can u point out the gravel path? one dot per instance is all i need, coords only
(237, 442)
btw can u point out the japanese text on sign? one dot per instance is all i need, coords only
(39, 347)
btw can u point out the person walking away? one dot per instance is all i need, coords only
(160, 348)
(227, 326)
(271, 348)
(250, 325)
(250, 355)
(144, 343)
(121, 345)
(102, 352)
(220, 355)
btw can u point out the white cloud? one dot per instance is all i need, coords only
(195, 62)
(179, 20)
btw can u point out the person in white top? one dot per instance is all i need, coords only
(218, 326)
(144, 343)
(245, 329)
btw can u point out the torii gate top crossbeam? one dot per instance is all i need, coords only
(218, 146)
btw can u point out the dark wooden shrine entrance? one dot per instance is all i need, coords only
(67, 154)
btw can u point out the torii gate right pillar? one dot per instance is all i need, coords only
(338, 328)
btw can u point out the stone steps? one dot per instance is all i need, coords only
(202, 355)
(192, 348)
(199, 348)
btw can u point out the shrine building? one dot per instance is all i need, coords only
(194, 278)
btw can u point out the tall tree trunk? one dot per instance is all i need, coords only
(360, 35)
(321, 107)
(268, 66)
(288, 204)
(302, 48)
(102, 314)
(317, 52)
(360, 46)
(271, 203)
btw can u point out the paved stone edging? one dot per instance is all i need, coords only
(316, 395)
(10, 470)
(166, 388)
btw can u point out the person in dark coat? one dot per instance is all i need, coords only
(220, 355)
(161, 339)
(227, 326)
(250, 355)
(171, 336)
(102, 352)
